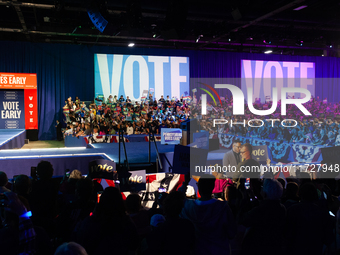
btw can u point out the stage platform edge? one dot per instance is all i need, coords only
(12, 138)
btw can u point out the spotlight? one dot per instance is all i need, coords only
(299, 43)
(229, 40)
(300, 8)
(268, 51)
(330, 46)
(198, 38)
(131, 44)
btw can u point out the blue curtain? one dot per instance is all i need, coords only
(68, 70)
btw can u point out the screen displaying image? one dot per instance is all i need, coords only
(136, 76)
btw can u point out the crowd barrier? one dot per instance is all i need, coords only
(82, 141)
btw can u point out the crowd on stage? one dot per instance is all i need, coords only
(283, 216)
(151, 115)
(110, 116)
(320, 128)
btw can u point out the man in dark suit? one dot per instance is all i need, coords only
(233, 157)
(59, 132)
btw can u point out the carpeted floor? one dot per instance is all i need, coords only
(44, 144)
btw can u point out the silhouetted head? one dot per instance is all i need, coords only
(308, 192)
(133, 203)
(22, 184)
(206, 184)
(292, 190)
(173, 204)
(70, 248)
(3, 179)
(272, 189)
(111, 203)
(44, 170)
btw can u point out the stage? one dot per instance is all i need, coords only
(12, 138)
(16, 161)
(20, 161)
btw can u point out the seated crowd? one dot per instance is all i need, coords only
(107, 118)
(321, 128)
(269, 216)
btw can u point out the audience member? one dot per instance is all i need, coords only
(265, 222)
(138, 215)
(309, 226)
(180, 231)
(109, 228)
(43, 197)
(3, 182)
(213, 220)
(70, 248)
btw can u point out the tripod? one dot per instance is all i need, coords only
(121, 141)
(126, 161)
(152, 138)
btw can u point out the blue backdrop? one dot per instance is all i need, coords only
(68, 70)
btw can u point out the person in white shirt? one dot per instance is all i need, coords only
(69, 131)
(129, 129)
(110, 99)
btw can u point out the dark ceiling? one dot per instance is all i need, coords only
(240, 26)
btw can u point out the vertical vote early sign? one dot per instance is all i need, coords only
(12, 109)
(19, 103)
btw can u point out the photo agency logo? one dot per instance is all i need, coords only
(239, 99)
(266, 86)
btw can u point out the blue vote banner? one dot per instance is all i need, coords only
(130, 75)
(12, 109)
(171, 135)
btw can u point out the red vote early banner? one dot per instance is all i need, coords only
(18, 81)
(27, 82)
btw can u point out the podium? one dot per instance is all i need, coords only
(188, 128)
